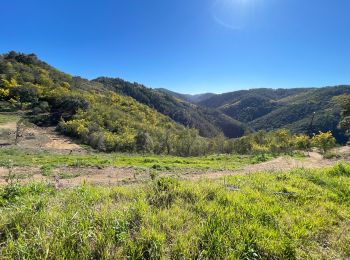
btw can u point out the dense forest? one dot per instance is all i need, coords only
(209, 122)
(115, 115)
(301, 110)
(86, 110)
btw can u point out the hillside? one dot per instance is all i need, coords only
(269, 109)
(86, 110)
(209, 122)
(110, 113)
(230, 98)
(296, 112)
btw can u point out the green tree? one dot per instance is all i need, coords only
(344, 123)
(302, 142)
(24, 94)
(68, 105)
(144, 142)
(217, 144)
(324, 141)
(185, 141)
(243, 145)
(283, 140)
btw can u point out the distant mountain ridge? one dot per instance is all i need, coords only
(270, 109)
(196, 98)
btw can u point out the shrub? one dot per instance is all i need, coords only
(324, 141)
(302, 142)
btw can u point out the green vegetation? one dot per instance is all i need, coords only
(269, 109)
(324, 141)
(9, 117)
(288, 215)
(344, 124)
(86, 110)
(47, 161)
(235, 96)
(208, 122)
(112, 115)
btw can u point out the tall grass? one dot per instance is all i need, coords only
(287, 215)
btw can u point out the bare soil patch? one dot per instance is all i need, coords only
(8, 126)
(38, 138)
(313, 161)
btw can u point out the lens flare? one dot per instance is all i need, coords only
(234, 14)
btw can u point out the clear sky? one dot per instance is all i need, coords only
(189, 46)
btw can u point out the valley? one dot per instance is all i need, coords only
(108, 169)
(182, 130)
(42, 154)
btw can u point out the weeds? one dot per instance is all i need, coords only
(68, 175)
(163, 192)
(287, 215)
(101, 160)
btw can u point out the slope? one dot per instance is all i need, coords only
(310, 112)
(85, 109)
(269, 109)
(209, 122)
(226, 99)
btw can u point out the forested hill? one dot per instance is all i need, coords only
(210, 122)
(111, 113)
(107, 114)
(230, 98)
(294, 109)
(86, 110)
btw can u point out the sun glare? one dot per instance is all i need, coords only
(233, 14)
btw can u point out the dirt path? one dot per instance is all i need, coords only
(54, 141)
(8, 126)
(38, 138)
(282, 163)
(315, 160)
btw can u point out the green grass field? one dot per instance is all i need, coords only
(287, 215)
(19, 157)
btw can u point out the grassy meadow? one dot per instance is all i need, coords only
(21, 157)
(286, 215)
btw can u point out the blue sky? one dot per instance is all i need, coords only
(189, 46)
